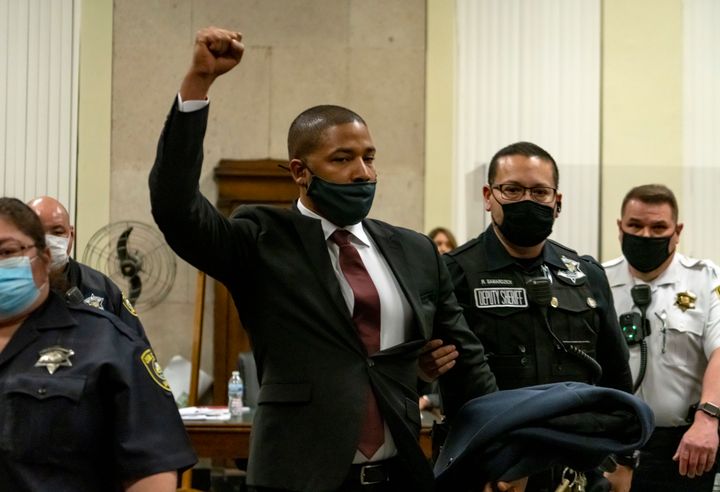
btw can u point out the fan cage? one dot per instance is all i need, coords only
(146, 243)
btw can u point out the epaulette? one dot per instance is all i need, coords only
(562, 246)
(613, 262)
(463, 247)
(591, 259)
(700, 264)
(114, 320)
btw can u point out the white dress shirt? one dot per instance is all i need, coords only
(395, 311)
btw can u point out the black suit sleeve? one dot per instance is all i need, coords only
(192, 226)
(471, 377)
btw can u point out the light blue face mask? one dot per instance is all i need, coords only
(17, 287)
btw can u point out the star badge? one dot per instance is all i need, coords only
(95, 301)
(53, 357)
(685, 300)
(573, 272)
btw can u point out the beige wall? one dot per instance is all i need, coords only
(368, 55)
(641, 103)
(440, 114)
(95, 81)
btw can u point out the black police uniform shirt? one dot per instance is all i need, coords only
(491, 286)
(100, 291)
(84, 405)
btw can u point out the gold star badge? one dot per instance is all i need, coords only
(685, 300)
(53, 357)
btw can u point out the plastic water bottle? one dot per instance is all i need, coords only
(235, 394)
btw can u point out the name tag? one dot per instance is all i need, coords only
(498, 297)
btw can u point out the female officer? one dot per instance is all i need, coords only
(83, 402)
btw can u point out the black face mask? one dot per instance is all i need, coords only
(526, 223)
(341, 204)
(645, 254)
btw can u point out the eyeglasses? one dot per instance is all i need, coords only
(515, 192)
(11, 249)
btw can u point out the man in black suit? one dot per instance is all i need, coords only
(307, 307)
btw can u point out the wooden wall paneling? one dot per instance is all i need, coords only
(241, 182)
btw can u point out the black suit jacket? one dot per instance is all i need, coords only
(313, 368)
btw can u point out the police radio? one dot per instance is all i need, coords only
(636, 327)
(73, 296)
(539, 293)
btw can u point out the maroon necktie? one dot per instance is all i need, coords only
(366, 316)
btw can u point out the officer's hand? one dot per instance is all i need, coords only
(436, 359)
(621, 479)
(216, 52)
(696, 453)
(513, 486)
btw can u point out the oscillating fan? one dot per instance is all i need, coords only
(136, 257)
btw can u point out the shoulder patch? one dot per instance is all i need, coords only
(154, 369)
(717, 290)
(128, 305)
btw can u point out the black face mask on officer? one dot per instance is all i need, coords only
(645, 254)
(526, 223)
(342, 204)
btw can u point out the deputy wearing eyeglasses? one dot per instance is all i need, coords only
(543, 312)
(84, 404)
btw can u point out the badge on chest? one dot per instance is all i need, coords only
(572, 274)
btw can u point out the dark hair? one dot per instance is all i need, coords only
(527, 149)
(448, 234)
(652, 193)
(307, 129)
(24, 218)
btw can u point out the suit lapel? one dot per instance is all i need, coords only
(313, 241)
(391, 248)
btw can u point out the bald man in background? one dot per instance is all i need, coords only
(97, 289)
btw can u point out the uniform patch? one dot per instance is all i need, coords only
(717, 290)
(493, 297)
(128, 305)
(153, 366)
(53, 357)
(572, 272)
(685, 300)
(95, 301)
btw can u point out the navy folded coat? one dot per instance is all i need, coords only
(515, 433)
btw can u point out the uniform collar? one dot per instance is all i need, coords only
(357, 230)
(621, 275)
(51, 315)
(498, 257)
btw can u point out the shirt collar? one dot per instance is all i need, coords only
(357, 230)
(623, 276)
(498, 257)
